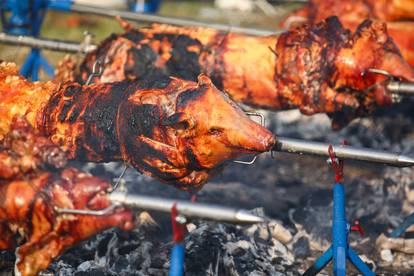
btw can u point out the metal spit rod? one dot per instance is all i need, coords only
(297, 146)
(140, 17)
(185, 208)
(401, 88)
(396, 87)
(55, 45)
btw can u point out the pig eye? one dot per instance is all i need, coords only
(179, 121)
(215, 131)
(183, 125)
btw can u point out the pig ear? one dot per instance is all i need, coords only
(203, 80)
(179, 120)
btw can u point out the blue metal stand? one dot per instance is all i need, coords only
(403, 227)
(26, 19)
(340, 251)
(178, 251)
(177, 260)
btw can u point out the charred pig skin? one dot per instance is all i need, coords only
(180, 132)
(259, 71)
(29, 223)
(398, 14)
(356, 10)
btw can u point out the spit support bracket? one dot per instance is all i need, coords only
(262, 123)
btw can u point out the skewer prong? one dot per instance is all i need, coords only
(297, 146)
(185, 208)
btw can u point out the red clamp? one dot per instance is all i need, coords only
(194, 197)
(337, 165)
(357, 228)
(179, 228)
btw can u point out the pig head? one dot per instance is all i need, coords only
(184, 133)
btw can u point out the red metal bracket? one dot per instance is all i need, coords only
(358, 228)
(337, 165)
(179, 229)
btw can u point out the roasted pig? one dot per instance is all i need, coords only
(324, 68)
(178, 131)
(32, 186)
(357, 10)
(352, 12)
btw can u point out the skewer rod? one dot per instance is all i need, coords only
(140, 17)
(344, 152)
(186, 208)
(401, 88)
(55, 45)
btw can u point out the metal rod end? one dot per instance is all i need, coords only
(405, 161)
(244, 216)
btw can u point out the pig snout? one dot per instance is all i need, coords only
(396, 66)
(249, 136)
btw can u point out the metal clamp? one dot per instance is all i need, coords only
(262, 123)
(380, 72)
(97, 71)
(119, 180)
(86, 45)
(389, 78)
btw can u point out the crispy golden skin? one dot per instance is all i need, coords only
(322, 68)
(357, 10)
(352, 12)
(179, 131)
(31, 186)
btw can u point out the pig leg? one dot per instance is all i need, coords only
(67, 231)
(194, 181)
(334, 101)
(6, 237)
(170, 162)
(341, 107)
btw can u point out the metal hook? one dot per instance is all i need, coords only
(97, 70)
(102, 212)
(262, 123)
(380, 72)
(395, 97)
(118, 181)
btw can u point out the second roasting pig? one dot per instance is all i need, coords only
(318, 69)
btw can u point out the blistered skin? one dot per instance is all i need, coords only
(352, 12)
(29, 223)
(318, 69)
(181, 132)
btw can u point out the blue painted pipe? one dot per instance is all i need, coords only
(150, 6)
(339, 231)
(359, 264)
(403, 227)
(177, 260)
(60, 5)
(19, 22)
